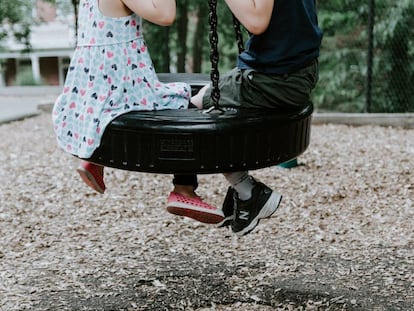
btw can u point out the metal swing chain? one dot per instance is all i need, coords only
(239, 36)
(214, 55)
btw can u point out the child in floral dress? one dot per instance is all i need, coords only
(111, 73)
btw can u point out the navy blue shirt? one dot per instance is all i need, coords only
(291, 41)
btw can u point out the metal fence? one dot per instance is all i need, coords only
(367, 57)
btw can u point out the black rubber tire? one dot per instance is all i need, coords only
(192, 141)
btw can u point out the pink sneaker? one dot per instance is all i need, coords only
(92, 176)
(194, 208)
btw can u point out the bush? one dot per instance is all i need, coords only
(25, 78)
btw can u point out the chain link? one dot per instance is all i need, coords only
(214, 55)
(239, 36)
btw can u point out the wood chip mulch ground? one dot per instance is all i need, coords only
(342, 239)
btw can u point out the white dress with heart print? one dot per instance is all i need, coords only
(110, 73)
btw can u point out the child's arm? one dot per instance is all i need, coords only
(253, 14)
(160, 12)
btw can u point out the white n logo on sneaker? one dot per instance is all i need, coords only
(244, 215)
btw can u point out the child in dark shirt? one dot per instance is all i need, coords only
(278, 69)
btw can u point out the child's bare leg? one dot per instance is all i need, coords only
(197, 100)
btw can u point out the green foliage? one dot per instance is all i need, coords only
(15, 19)
(158, 40)
(25, 78)
(228, 50)
(341, 83)
(395, 57)
(333, 22)
(343, 60)
(344, 56)
(227, 42)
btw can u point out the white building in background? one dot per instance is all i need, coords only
(52, 40)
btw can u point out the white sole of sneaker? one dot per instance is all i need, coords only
(226, 222)
(89, 180)
(268, 209)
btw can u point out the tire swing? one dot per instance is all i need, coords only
(218, 140)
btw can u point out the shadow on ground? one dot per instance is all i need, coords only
(184, 283)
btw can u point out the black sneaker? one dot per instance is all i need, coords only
(229, 208)
(262, 204)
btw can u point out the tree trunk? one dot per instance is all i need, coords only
(182, 23)
(75, 4)
(165, 54)
(200, 34)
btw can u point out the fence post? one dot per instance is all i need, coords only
(371, 22)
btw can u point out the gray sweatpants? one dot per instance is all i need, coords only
(252, 89)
